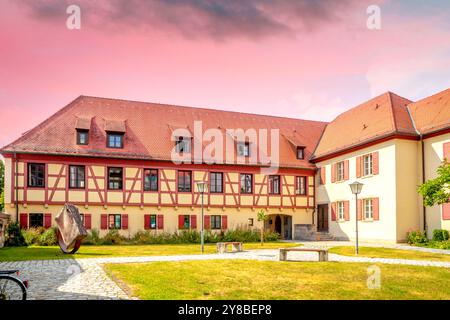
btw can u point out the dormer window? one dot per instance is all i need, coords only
(115, 140)
(82, 137)
(300, 153)
(183, 144)
(243, 149)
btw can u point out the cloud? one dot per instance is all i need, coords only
(218, 19)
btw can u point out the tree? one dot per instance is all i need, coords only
(2, 185)
(437, 191)
(262, 217)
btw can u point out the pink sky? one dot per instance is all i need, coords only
(298, 59)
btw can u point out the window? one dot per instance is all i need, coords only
(36, 175)
(184, 181)
(340, 210)
(153, 221)
(216, 222)
(36, 220)
(300, 153)
(115, 221)
(367, 165)
(150, 180)
(243, 149)
(115, 140)
(187, 222)
(216, 182)
(82, 137)
(301, 185)
(246, 183)
(368, 209)
(183, 144)
(274, 184)
(115, 178)
(76, 177)
(340, 171)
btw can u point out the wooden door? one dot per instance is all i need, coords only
(322, 217)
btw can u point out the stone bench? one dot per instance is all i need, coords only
(235, 246)
(323, 253)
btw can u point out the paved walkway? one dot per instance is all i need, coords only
(85, 278)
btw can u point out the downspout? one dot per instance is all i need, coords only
(16, 189)
(424, 208)
(422, 151)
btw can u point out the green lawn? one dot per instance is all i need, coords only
(87, 251)
(374, 252)
(243, 279)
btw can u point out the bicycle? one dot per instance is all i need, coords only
(11, 287)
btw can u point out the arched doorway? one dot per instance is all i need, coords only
(278, 224)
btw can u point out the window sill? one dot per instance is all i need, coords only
(367, 176)
(368, 220)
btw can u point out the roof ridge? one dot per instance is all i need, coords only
(394, 123)
(203, 108)
(41, 124)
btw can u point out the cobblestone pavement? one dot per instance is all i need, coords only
(85, 278)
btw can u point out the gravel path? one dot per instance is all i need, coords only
(84, 279)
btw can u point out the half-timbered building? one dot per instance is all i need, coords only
(119, 162)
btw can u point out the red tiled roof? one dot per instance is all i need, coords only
(381, 116)
(149, 127)
(432, 113)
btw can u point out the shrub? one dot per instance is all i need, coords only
(440, 235)
(92, 238)
(241, 235)
(13, 236)
(416, 237)
(48, 238)
(113, 237)
(32, 235)
(271, 236)
(188, 236)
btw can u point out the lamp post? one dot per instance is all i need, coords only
(202, 187)
(356, 188)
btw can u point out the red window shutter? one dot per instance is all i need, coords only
(193, 222)
(333, 173)
(323, 178)
(104, 221)
(376, 209)
(124, 221)
(180, 221)
(446, 211)
(346, 168)
(224, 222)
(24, 221)
(160, 222)
(333, 211)
(207, 222)
(87, 221)
(47, 220)
(447, 151)
(346, 210)
(375, 163)
(358, 166)
(146, 221)
(359, 211)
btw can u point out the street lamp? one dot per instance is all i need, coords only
(356, 188)
(202, 188)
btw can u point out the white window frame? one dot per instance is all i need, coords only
(243, 149)
(340, 208)
(368, 209)
(368, 165)
(183, 145)
(340, 171)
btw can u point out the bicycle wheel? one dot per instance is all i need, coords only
(12, 289)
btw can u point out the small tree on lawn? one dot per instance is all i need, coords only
(262, 216)
(437, 191)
